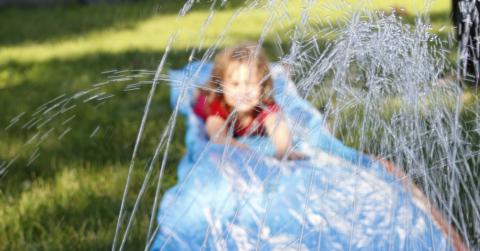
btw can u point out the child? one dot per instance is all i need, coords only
(238, 99)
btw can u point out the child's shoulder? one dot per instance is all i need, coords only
(203, 107)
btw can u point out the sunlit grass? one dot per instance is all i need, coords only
(75, 209)
(153, 33)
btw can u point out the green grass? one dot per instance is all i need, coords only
(71, 193)
(69, 197)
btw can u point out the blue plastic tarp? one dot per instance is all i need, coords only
(245, 199)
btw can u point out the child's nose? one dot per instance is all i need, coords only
(244, 88)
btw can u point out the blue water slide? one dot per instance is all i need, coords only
(245, 199)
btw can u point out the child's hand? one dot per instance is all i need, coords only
(292, 155)
(297, 156)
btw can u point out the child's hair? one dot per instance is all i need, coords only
(241, 54)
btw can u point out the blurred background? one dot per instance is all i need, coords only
(63, 167)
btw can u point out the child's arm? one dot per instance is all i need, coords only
(278, 131)
(217, 132)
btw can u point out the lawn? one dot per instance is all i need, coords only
(67, 165)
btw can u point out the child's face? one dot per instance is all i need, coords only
(242, 87)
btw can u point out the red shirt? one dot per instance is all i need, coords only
(216, 108)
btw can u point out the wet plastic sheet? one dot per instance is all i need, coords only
(236, 199)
